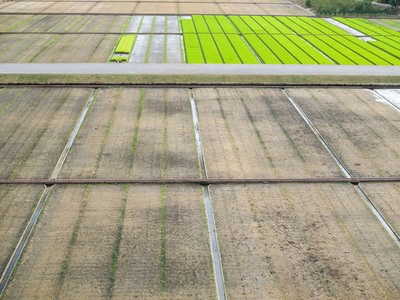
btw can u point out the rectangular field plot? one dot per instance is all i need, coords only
(385, 197)
(135, 133)
(57, 48)
(16, 206)
(36, 124)
(260, 135)
(362, 129)
(162, 245)
(302, 241)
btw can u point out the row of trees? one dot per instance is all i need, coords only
(350, 7)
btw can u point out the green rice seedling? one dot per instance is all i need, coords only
(304, 23)
(355, 57)
(211, 53)
(213, 24)
(310, 50)
(240, 25)
(389, 41)
(261, 49)
(253, 24)
(200, 24)
(288, 21)
(296, 51)
(278, 25)
(246, 55)
(385, 47)
(356, 26)
(193, 50)
(328, 50)
(376, 60)
(324, 24)
(265, 25)
(125, 44)
(188, 26)
(284, 56)
(378, 52)
(383, 29)
(226, 50)
(226, 24)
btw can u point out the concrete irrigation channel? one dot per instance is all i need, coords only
(132, 199)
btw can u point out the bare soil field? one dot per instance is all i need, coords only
(71, 250)
(302, 241)
(16, 205)
(37, 124)
(57, 48)
(149, 130)
(261, 135)
(362, 130)
(282, 10)
(156, 8)
(113, 7)
(240, 9)
(386, 197)
(199, 8)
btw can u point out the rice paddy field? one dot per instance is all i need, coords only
(151, 241)
(198, 39)
(164, 191)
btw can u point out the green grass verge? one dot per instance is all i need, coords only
(198, 78)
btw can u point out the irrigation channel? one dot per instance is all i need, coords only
(204, 181)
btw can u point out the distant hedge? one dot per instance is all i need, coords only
(347, 7)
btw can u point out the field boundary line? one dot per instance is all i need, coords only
(386, 100)
(203, 181)
(9, 270)
(215, 254)
(342, 167)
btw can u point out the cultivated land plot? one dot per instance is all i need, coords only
(260, 135)
(147, 133)
(386, 197)
(57, 48)
(302, 241)
(16, 206)
(80, 226)
(363, 130)
(36, 124)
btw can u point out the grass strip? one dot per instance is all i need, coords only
(136, 132)
(283, 55)
(261, 49)
(96, 79)
(211, 53)
(117, 243)
(243, 51)
(193, 50)
(226, 50)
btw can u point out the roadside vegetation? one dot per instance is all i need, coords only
(350, 8)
